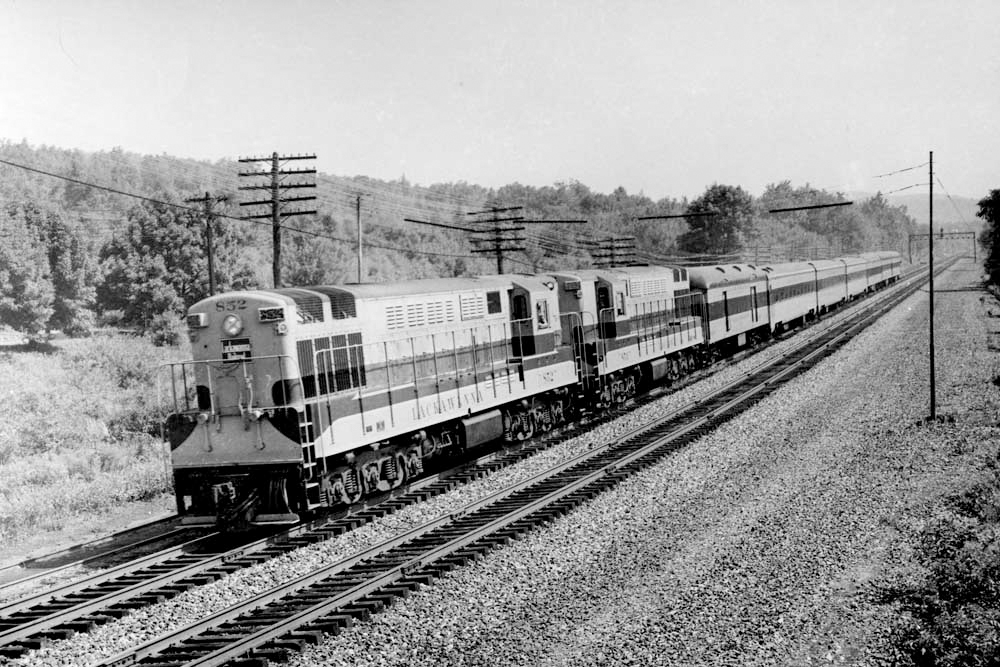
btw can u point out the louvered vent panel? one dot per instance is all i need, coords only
(435, 312)
(473, 306)
(394, 318)
(415, 315)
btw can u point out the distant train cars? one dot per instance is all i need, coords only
(306, 397)
(746, 303)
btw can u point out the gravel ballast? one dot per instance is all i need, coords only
(758, 538)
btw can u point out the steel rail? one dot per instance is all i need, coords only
(31, 563)
(29, 627)
(48, 572)
(97, 579)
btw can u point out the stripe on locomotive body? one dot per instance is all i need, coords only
(348, 422)
(634, 349)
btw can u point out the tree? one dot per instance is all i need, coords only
(73, 276)
(26, 292)
(315, 259)
(989, 238)
(61, 271)
(888, 227)
(156, 266)
(718, 234)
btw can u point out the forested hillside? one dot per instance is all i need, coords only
(131, 253)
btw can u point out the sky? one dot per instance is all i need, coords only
(660, 97)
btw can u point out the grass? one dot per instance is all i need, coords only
(952, 603)
(80, 434)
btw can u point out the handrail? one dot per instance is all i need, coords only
(214, 409)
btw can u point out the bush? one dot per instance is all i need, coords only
(167, 330)
(128, 362)
(956, 607)
(76, 437)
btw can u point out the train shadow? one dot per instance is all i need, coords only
(35, 346)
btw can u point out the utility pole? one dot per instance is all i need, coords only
(930, 279)
(357, 205)
(208, 201)
(498, 242)
(276, 188)
(360, 251)
(614, 251)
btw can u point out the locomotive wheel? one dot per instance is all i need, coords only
(525, 427)
(402, 474)
(685, 365)
(544, 421)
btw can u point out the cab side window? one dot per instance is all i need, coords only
(542, 313)
(493, 302)
(603, 298)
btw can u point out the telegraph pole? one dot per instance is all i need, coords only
(208, 201)
(357, 208)
(360, 251)
(614, 251)
(276, 188)
(498, 242)
(930, 261)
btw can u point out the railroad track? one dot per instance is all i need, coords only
(289, 617)
(92, 553)
(37, 620)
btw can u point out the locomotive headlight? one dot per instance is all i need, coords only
(232, 325)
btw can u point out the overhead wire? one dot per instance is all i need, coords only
(953, 204)
(908, 187)
(900, 171)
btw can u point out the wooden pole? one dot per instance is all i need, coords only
(930, 280)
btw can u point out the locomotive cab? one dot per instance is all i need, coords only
(578, 306)
(235, 427)
(534, 316)
(610, 290)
